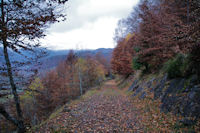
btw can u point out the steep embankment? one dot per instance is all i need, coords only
(179, 97)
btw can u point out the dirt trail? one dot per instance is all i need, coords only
(107, 110)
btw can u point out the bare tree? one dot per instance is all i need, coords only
(80, 75)
(22, 23)
(127, 25)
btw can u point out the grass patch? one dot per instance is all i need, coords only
(56, 113)
(112, 92)
(123, 85)
(89, 93)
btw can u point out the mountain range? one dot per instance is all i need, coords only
(54, 57)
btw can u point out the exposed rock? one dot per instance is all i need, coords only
(186, 105)
(191, 95)
(191, 83)
(137, 91)
(194, 80)
(158, 89)
(187, 122)
(168, 103)
(143, 95)
(176, 85)
(180, 96)
(134, 86)
(149, 84)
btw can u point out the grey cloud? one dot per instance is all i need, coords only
(76, 20)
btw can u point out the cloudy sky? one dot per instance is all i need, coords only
(90, 24)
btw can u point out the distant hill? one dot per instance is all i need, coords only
(53, 58)
(106, 52)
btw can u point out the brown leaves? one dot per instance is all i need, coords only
(122, 59)
(152, 118)
(111, 110)
(106, 111)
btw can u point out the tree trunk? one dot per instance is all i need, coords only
(80, 82)
(20, 124)
(80, 79)
(7, 116)
(19, 121)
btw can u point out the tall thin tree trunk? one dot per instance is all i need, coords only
(80, 80)
(20, 123)
(21, 128)
(35, 118)
(80, 75)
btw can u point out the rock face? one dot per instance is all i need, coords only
(180, 95)
(158, 89)
(133, 86)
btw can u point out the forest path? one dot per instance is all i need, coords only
(106, 110)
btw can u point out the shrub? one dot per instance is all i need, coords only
(176, 67)
(137, 49)
(136, 65)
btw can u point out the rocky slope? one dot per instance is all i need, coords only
(180, 96)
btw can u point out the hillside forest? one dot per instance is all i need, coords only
(149, 82)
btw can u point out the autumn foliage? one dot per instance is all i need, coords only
(55, 88)
(165, 29)
(121, 61)
(62, 84)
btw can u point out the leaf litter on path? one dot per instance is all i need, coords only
(108, 110)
